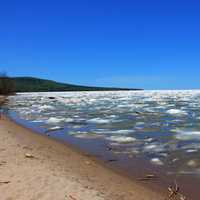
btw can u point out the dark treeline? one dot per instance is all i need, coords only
(30, 84)
(7, 85)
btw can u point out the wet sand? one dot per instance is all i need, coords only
(35, 167)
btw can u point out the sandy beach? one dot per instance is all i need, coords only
(36, 167)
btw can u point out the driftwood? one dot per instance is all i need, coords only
(54, 129)
(71, 197)
(4, 182)
(112, 160)
(174, 193)
(28, 155)
(148, 177)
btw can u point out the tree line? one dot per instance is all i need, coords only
(7, 85)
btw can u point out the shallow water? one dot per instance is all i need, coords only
(158, 128)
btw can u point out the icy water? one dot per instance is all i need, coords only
(158, 129)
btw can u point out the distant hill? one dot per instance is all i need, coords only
(31, 84)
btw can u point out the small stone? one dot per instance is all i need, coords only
(87, 162)
(2, 162)
(27, 155)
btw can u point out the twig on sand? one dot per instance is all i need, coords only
(73, 198)
(28, 155)
(174, 193)
(4, 182)
(148, 177)
(2, 162)
(112, 160)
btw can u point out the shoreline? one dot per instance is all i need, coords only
(65, 172)
(2, 100)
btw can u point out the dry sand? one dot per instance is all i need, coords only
(57, 171)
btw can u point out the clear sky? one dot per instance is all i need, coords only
(145, 43)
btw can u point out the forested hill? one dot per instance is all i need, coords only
(30, 84)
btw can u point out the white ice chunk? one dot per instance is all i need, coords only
(156, 161)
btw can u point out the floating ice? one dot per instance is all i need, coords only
(154, 148)
(107, 131)
(156, 161)
(191, 150)
(187, 134)
(139, 125)
(46, 107)
(124, 131)
(88, 136)
(99, 121)
(69, 120)
(149, 139)
(122, 139)
(150, 147)
(177, 112)
(37, 121)
(55, 128)
(153, 115)
(54, 120)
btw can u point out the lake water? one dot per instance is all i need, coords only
(158, 129)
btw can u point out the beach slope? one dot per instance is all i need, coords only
(34, 167)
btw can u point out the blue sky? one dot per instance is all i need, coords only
(146, 44)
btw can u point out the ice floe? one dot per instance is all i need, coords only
(187, 134)
(156, 161)
(69, 120)
(154, 148)
(55, 128)
(191, 150)
(121, 139)
(176, 112)
(46, 107)
(54, 120)
(99, 121)
(118, 132)
(88, 136)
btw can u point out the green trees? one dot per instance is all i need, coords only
(31, 84)
(7, 85)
